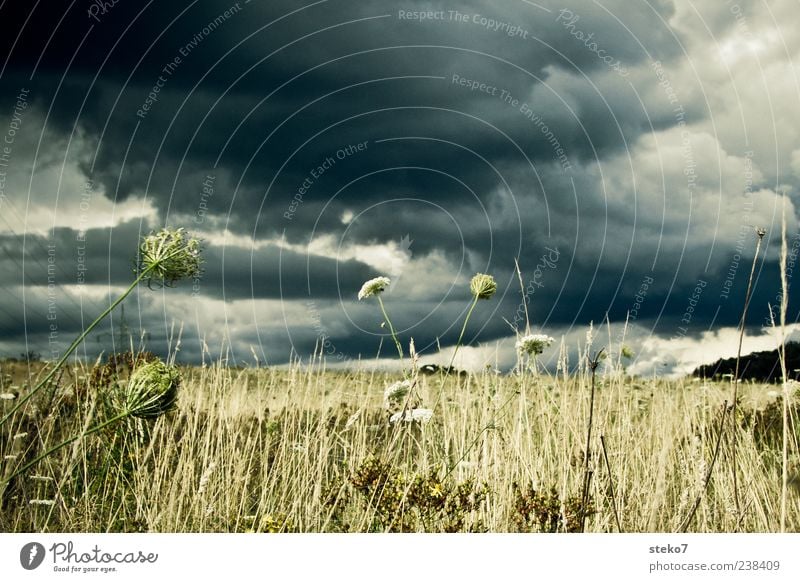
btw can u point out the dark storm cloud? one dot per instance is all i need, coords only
(107, 256)
(348, 121)
(125, 162)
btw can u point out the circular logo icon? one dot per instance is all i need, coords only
(31, 555)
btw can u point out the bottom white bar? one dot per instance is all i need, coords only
(407, 557)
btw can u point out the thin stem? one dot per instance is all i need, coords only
(760, 234)
(391, 328)
(74, 346)
(593, 363)
(487, 428)
(688, 520)
(461, 335)
(455, 351)
(782, 354)
(524, 297)
(611, 484)
(49, 452)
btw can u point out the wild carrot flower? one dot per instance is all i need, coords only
(421, 415)
(395, 393)
(373, 287)
(483, 286)
(151, 391)
(533, 344)
(169, 256)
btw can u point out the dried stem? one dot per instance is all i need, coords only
(690, 517)
(760, 233)
(782, 356)
(593, 363)
(611, 484)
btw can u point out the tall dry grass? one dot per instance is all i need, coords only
(277, 450)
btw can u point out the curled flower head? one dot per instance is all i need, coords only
(533, 344)
(152, 390)
(395, 393)
(169, 256)
(373, 287)
(483, 286)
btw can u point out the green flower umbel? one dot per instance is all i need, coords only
(168, 256)
(152, 390)
(483, 286)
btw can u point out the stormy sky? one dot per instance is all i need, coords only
(622, 152)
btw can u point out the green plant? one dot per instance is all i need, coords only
(545, 512)
(411, 503)
(164, 258)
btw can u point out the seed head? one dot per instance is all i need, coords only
(373, 287)
(169, 256)
(534, 344)
(483, 286)
(152, 390)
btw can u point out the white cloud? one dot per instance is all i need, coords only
(678, 356)
(46, 187)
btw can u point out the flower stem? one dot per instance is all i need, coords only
(391, 328)
(52, 450)
(73, 347)
(461, 335)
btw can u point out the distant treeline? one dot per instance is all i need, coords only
(758, 366)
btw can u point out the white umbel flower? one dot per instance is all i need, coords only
(421, 415)
(373, 287)
(396, 393)
(533, 344)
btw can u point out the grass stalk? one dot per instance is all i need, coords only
(611, 484)
(734, 432)
(593, 363)
(707, 480)
(785, 387)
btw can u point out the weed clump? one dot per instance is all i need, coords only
(414, 503)
(544, 512)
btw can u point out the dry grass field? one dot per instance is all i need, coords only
(305, 449)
